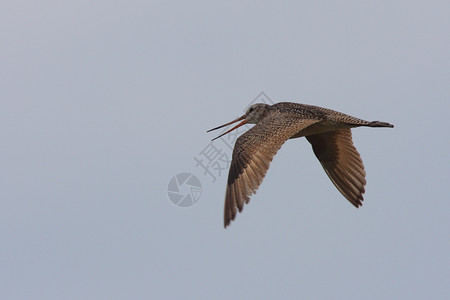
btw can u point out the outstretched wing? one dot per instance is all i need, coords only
(252, 154)
(341, 162)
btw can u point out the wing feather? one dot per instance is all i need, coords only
(252, 154)
(342, 163)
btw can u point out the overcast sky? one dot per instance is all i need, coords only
(102, 103)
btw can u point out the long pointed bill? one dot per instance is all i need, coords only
(238, 125)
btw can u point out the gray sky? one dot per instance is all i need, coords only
(103, 102)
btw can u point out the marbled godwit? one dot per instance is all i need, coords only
(327, 130)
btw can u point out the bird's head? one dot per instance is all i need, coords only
(256, 113)
(253, 115)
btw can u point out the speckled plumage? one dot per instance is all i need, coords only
(327, 130)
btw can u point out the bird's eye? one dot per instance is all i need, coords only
(251, 109)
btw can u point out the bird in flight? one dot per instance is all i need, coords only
(327, 130)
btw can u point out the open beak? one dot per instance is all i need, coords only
(238, 125)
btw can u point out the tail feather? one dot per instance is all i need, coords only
(380, 124)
